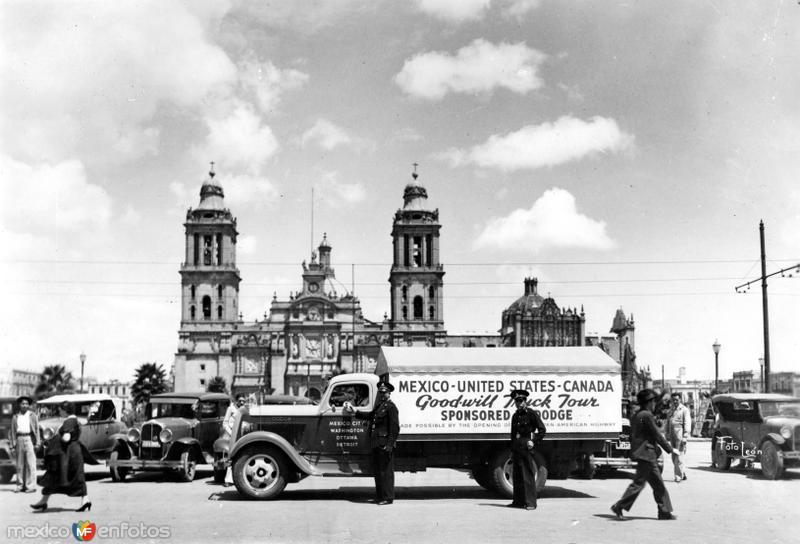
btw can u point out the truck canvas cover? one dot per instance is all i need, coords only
(464, 391)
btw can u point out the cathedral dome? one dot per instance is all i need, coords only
(211, 194)
(530, 301)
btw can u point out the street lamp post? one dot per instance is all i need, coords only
(83, 361)
(716, 347)
(761, 365)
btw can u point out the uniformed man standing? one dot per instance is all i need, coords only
(526, 430)
(383, 430)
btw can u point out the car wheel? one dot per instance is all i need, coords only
(260, 472)
(118, 474)
(188, 468)
(721, 458)
(771, 461)
(6, 475)
(500, 473)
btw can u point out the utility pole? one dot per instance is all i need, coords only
(764, 304)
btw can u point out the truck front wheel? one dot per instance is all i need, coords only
(260, 472)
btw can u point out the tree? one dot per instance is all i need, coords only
(217, 384)
(53, 380)
(149, 380)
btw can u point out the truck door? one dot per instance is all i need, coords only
(342, 438)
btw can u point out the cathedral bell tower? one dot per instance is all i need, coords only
(416, 277)
(209, 277)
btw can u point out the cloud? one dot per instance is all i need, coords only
(238, 141)
(242, 191)
(267, 83)
(459, 11)
(455, 10)
(326, 134)
(329, 136)
(549, 144)
(552, 222)
(479, 67)
(335, 192)
(50, 198)
(91, 76)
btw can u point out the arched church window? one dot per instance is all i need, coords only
(193, 291)
(431, 313)
(418, 307)
(219, 312)
(431, 292)
(206, 307)
(404, 293)
(405, 313)
(208, 249)
(219, 291)
(417, 252)
(193, 312)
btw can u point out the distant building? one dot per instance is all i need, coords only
(119, 391)
(785, 383)
(535, 321)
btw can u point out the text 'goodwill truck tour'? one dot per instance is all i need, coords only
(454, 413)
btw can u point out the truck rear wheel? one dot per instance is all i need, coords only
(501, 477)
(260, 472)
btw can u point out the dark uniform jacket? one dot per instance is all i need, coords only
(645, 437)
(523, 426)
(384, 425)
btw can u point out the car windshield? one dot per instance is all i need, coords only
(786, 409)
(171, 410)
(82, 409)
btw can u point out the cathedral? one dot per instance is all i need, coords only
(320, 329)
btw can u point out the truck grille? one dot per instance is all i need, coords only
(150, 433)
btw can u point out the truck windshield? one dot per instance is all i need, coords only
(171, 410)
(786, 409)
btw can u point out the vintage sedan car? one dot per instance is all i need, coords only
(96, 413)
(8, 463)
(762, 428)
(178, 435)
(615, 455)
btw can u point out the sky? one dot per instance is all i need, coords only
(621, 152)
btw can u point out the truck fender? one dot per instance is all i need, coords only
(183, 444)
(266, 437)
(773, 437)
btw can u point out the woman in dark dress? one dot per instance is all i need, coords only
(63, 462)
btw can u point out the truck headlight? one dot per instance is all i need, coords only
(47, 433)
(134, 435)
(786, 432)
(165, 436)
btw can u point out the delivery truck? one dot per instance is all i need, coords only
(454, 413)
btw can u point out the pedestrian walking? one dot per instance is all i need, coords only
(527, 429)
(645, 438)
(679, 425)
(24, 437)
(383, 429)
(63, 459)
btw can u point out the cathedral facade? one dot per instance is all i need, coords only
(320, 329)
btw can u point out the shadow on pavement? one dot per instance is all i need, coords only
(366, 494)
(612, 517)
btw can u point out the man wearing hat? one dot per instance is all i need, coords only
(383, 430)
(645, 438)
(24, 438)
(679, 426)
(526, 429)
